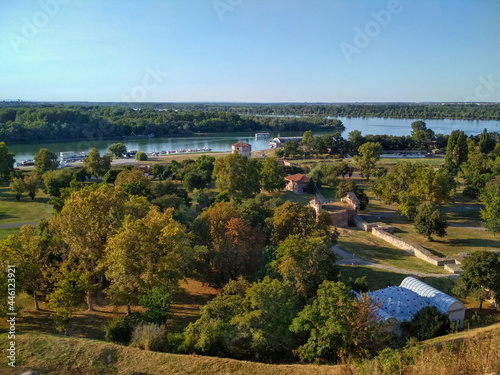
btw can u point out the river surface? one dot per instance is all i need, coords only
(223, 141)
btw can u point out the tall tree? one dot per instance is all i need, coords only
(237, 175)
(117, 149)
(31, 184)
(355, 140)
(89, 217)
(335, 323)
(456, 151)
(421, 134)
(307, 141)
(486, 142)
(45, 160)
(480, 277)
(305, 263)
(430, 220)
(6, 161)
(18, 187)
(272, 176)
(491, 200)
(97, 165)
(145, 253)
(369, 154)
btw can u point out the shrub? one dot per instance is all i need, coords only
(427, 323)
(120, 330)
(149, 337)
(141, 156)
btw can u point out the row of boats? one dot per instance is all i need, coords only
(181, 151)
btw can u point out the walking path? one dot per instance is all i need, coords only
(350, 259)
(17, 225)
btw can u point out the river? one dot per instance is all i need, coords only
(223, 141)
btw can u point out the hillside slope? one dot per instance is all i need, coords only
(52, 355)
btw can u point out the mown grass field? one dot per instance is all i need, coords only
(457, 240)
(365, 245)
(26, 210)
(4, 233)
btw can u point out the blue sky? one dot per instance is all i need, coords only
(250, 50)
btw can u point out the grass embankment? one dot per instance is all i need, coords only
(52, 355)
(365, 245)
(26, 210)
(470, 352)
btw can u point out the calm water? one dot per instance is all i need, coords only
(223, 142)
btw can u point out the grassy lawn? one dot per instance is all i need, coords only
(378, 279)
(303, 199)
(369, 247)
(458, 240)
(328, 193)
(389, 162)
(4, 233)
(12, 211)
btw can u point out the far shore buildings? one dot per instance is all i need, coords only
(297, 183)
(242, 148)
(280, 141)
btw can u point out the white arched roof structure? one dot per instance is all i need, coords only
(435, 297)
(398, 302)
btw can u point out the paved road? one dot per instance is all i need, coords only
(350, 259)
(17, 225)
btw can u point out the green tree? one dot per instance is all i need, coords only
(31, 185)
(408, 207)
(141, 156)
(117, 149)
(491, 201)
(6, 161)
(272, 176)
(336, 324)
(23, 250)
(486, 142)
(146, 253)
(433, 186)
(369, 154)
(291, 148)
(421, 134)
(110, 176)
(292, 218)
(456, 151)
(97, 165)
(54, 181)
(307, 141)
(246, 322)
(355, 140)
(237, 175)
(18, 187)
(480, 277)
(89, 217)
(427, 323)
(430, 220)
(193, 180)
(305, 263)
(45, 160)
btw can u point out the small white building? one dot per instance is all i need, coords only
(242, 148)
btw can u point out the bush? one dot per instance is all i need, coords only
(429, 322)
(120, 330)
(149, 337)
(141, 156)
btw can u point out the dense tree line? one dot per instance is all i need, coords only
(38, 123)
(463, 111)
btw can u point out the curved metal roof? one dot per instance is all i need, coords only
(434, 296)
(399, 302)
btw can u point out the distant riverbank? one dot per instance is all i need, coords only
(223, 141)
